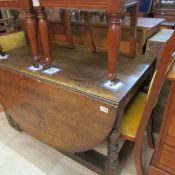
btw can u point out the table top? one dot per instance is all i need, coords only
(84, 72)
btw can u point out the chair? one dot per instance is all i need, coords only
(138, 113)
(162, 69)
(7, 30)
(7, 41)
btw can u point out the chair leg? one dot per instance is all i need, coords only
(67, 27)
(44, 36)
(150, 136)
(133, 30)
(32, 33)
(113, 40)
(89, 34)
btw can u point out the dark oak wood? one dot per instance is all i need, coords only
(30, 22)
(115, 10)
(64, 109)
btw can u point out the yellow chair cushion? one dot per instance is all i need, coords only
(132, 115)
(12, 41)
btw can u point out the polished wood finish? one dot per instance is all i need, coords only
(30, 22)
(43, 32)
(115, 10)
(31, 28)
(64, 109)
(164, 62)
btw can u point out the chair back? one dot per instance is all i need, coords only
(162, 69)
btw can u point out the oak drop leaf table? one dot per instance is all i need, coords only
(115, 9)
(70, 110)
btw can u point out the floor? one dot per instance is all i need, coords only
(21, 154)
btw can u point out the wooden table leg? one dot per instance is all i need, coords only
(31, 28)
(114, 37)
(112, 161)
(133, 30)
(67, 27)
(89, 34)
(44, 37)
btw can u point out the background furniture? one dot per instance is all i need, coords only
(165, 10)
(30, 22)
(115, 10)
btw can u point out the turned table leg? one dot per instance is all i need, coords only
(89, 34)
(67, 26)
(31, 28)
(114, 37)
(112, 154)
(44, 36)
(133, 30)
